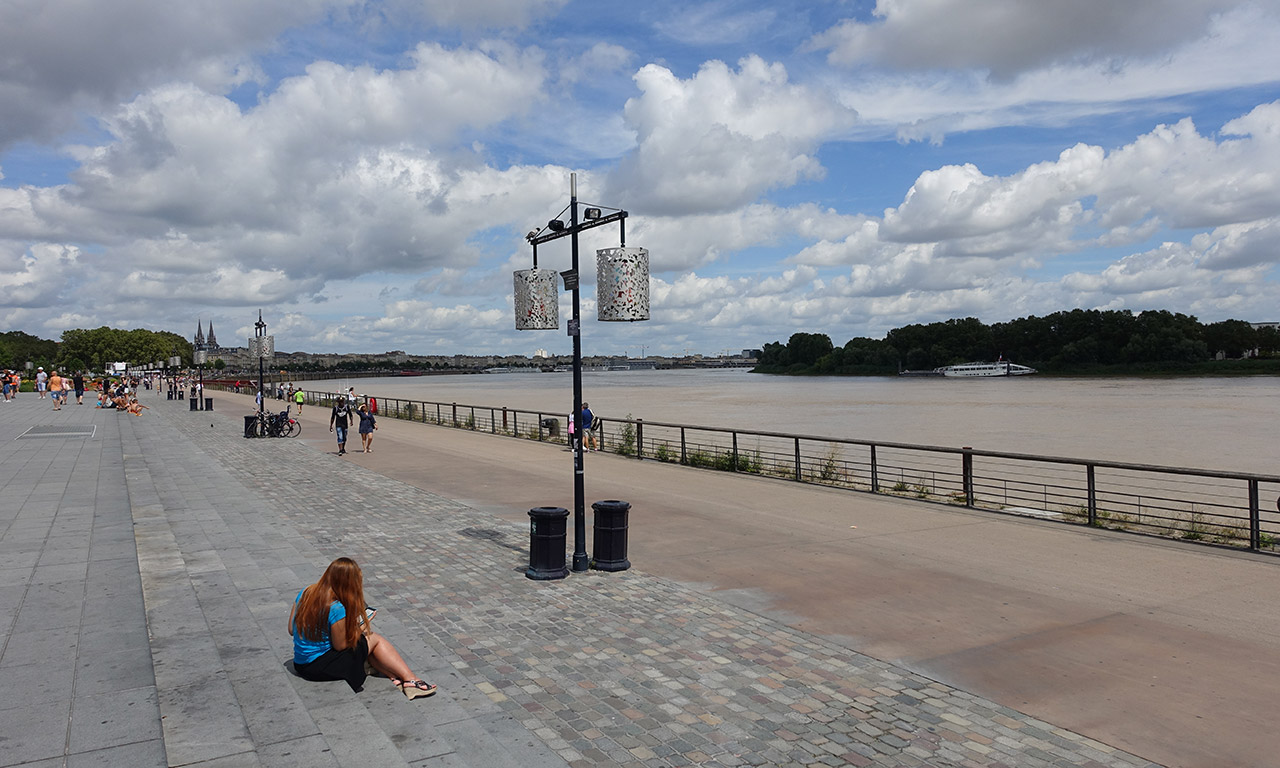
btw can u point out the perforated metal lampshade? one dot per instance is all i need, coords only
(622, 284)
(537, 299)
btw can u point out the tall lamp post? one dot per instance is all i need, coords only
(262, 347)
(622, 293)
(199, 356)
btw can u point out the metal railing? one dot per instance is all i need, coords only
(1201, 505)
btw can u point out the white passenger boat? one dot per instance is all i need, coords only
(998, 368)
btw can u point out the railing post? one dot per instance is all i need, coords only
(493, 422)
(639, 438)
(1255, 517)
(539, 427)
(735, 451)
(798, 478)
(875, 473)
(967, 470)
(504, 419)
(1093, 495)
(684, 454)
(455, 414)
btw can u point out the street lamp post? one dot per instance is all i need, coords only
(262, 347)
(537, 308)
(260, 334)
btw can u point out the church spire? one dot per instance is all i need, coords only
(211, 341)
(200, 335)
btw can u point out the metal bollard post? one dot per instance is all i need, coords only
(195, 404)
(547, 543)
(610, 536)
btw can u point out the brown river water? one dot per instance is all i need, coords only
(1209, 423)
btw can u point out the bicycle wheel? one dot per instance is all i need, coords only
(294, 428)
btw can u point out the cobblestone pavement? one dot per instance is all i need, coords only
(602, 668)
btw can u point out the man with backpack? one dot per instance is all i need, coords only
(339, 419)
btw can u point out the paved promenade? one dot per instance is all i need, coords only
(147, 572)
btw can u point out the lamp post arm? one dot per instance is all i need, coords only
(579, 227)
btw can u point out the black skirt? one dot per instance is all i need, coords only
(347, 664)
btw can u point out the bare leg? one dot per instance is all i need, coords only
(387, 660)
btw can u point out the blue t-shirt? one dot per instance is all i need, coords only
(587, 418)
(306, 651)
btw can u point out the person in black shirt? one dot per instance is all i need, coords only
(339, 418)
(77, 381)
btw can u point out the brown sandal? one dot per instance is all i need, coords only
(413, 689)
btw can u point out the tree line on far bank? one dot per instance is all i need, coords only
(1079, 341)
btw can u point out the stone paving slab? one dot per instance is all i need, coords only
(75, 661)
(624, 669)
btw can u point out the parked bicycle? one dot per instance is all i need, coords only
(278, 425)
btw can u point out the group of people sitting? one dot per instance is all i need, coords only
(120, 399)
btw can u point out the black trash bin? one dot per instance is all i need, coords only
(609, 544)
(169, 395)
(250, 426)
(208, 403)
(546, 543)
(195, 404)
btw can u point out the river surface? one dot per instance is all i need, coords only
(1210, 423)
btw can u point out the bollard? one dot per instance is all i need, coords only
(169, 395)
(250, 426)
(208, 403)
(610, 539)
(547, 543)
(195, 404)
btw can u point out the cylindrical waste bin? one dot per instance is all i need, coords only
(169, 395)
(250, 426)
(609, 544)
(208, 403)
(546, 543)
(195, 404)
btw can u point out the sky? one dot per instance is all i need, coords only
(364, 173)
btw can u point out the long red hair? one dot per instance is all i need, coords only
(341, 581)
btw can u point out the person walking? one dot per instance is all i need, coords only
(77, 381)
(57, 387)
(331, 625)
(299, 398)
(368, 423)
(42, 381)
(339, 419)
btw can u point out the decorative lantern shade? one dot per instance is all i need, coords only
(622, 284)
(537, 299)
(200, 357)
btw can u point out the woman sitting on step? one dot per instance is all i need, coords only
(332, 637)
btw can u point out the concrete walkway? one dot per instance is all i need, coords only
(147, 572)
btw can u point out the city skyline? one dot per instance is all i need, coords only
(365, 172)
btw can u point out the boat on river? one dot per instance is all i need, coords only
(971, 370)
(998, 368)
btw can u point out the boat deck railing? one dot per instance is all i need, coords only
(1230, 509)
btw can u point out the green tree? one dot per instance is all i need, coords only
(1233, 338)
(807, 348)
